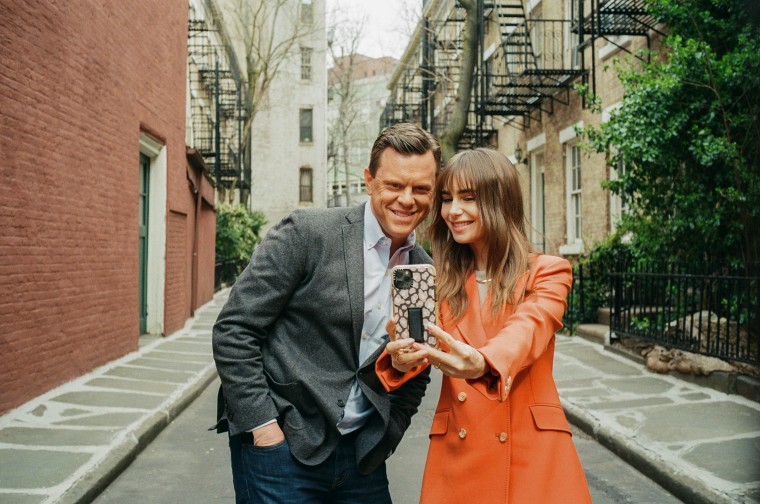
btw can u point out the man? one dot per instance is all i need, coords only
(296, 343)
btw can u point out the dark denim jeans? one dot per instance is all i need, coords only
(271, 475)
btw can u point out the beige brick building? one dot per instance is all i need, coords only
(531, 57)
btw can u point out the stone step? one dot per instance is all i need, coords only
(603, 316)
(593, 332)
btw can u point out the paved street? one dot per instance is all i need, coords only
(68, 445)
(186, 463)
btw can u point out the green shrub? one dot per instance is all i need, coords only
(237, 231)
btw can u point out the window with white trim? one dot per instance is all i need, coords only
(305, 63)
(307, 11)
(306, 125)
(306, 185)
(574, 196)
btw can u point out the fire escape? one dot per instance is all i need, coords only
(529, 65)
(534, 66)
(218, 109)
(445, 49)
(610, 20)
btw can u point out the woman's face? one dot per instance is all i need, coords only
(459, 209)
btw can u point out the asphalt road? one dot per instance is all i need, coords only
(188, 464)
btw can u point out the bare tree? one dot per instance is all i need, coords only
(343, 44)
(456, 126)
(271, 32)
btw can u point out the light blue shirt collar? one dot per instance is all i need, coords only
(373, 233)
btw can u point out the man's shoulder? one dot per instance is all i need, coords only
(317, 216)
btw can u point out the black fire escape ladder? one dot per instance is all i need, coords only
(405, 103)
(533, 66)
(447, 53)
(217, 108)
(610, 19)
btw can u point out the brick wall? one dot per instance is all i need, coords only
(594, 168)
(78, 82)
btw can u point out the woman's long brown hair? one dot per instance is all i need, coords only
(496, 184)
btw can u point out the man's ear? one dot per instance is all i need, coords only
(368, 181)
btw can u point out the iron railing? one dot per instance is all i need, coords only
(689, 308)
(226, 271)
(715, 315)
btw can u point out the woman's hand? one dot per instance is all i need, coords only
(405, 354)
(460, 360)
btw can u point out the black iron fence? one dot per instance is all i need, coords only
(226, 271)
(706, 313)
(589, 292)
(716, 315)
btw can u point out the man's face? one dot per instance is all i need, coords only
(401, 192)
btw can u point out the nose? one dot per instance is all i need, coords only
(406, 197)
(455, 208)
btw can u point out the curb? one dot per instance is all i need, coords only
(681, 485)
(97, 479)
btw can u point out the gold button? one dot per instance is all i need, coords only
(462, 433)
(503, 437)
(508, 385)
(462, 396)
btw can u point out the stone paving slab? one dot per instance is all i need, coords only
(701, 444)
(67, 445)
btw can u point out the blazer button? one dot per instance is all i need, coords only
(503, 437)
(341, 402)
(508, 385)
(462, 396)
(462, 433)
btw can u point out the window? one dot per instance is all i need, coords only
(572, 40)
(537, 200)
(306, 124)
(536, 27)
(305, 185)
(306, 63)
(307, 11)
(574, 208)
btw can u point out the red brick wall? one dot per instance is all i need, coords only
(78, 80)
(206, 255)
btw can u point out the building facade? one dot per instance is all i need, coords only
(108, 214)
(532, 58)
(356, 95)
(288, 140)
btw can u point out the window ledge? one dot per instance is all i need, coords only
(609, 49)
(571, 248)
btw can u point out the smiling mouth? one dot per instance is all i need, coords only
(460, 225)
(403, 215)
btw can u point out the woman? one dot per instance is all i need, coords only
(499, 433)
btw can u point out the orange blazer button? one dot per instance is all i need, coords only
(462, 433)
(462, 396)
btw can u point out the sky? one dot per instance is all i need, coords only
(387, 23)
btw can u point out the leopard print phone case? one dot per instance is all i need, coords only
(414, 301)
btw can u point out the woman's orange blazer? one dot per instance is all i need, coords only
(504, 438)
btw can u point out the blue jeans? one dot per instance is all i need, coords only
(271, 475)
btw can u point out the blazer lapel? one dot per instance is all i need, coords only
(353, 254)
(471, 327)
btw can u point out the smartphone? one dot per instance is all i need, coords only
(414, 302)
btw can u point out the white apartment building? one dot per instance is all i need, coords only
(289, 134)
(348, 155)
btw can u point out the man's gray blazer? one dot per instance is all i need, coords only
(286, 343)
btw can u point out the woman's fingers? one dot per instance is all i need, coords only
(390, 328)
(460, 361)
(406, 354)
(445, 340)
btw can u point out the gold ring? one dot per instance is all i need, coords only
(437, 366)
